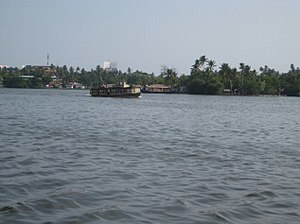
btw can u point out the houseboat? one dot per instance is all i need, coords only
(116, 90)
(157, 88)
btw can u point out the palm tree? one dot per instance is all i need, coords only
(64, 75)
(247, 70)
(170, 75)
(195, 67)
(228, 76)
(202, 61)
(211, 65)
(129, 71)
(242, 68)
(71, 74)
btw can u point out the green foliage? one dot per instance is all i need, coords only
(14, 82)
(241, 81)
(203, 79)
(170, 76)
(291, 82)
(251, 87)
(204, 85)
(25, 78)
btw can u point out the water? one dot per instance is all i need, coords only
(69, 158)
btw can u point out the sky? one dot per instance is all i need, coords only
(146, 34)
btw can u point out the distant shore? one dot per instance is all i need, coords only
(204, 78)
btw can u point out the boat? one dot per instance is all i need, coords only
(116, 90)
(158, 88)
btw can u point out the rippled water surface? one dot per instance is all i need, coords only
(69, 158)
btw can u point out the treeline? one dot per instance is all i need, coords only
(204, 78)
(94, 76)
(40, 76)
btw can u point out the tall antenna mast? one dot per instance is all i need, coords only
(48, 56)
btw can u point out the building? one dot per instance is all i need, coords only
(110, 66)
(75, 85)
(46, 68)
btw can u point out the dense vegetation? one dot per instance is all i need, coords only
(204, 78)
(242, 81)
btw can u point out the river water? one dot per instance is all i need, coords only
(67, 157)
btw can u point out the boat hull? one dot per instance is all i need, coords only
(127, 92)
(133, 95)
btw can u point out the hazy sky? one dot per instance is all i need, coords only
(145, 34)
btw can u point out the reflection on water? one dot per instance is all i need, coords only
(69, 158)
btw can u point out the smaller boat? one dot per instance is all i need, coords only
(116, 90)
(158, 88)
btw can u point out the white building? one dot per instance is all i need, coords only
(110, 66)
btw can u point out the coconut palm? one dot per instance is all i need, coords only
(211, 65)
(228, 76)
(195, 67)
(202, 61)
(170, 75)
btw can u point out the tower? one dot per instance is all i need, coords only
(48, 57)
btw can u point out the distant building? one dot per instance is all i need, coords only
(110, 66)
(46, 68)
(75, 85)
